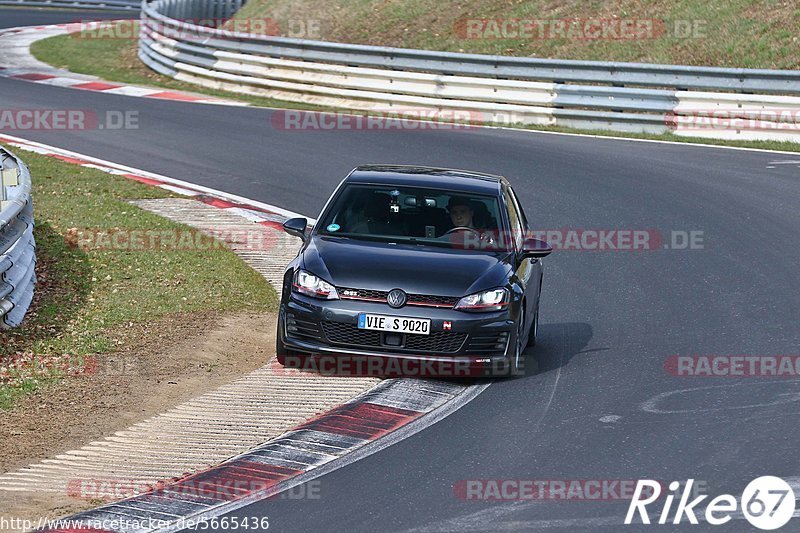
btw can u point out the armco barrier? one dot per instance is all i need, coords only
(97, 5)
(492, 89)
(17, 246)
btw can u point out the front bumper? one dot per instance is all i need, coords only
(474, 343)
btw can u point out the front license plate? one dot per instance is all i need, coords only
(396, 324)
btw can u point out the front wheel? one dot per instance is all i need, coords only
(280, 349)
(534, 328)
(518, 364)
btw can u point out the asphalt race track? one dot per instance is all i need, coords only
(11, 17)
(610, 319)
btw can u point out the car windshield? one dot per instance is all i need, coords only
(414, 214)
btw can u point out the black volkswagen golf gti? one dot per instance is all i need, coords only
(418, 265)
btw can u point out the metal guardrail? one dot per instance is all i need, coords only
(17, 245)
(111, 5)
(579, 94)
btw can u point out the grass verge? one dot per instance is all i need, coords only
(116, 59)
(87, 298)
(734, 33)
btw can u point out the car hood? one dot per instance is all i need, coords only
(416, 269)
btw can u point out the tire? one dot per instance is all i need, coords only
(534, 328)
(535, 325)
(283, 354)
(518, 363)
(291, 358)
(280, 349)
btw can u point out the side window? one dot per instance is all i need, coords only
(514, 217)
(522, 217)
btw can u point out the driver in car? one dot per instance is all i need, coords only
(461, 212)
(462, 215)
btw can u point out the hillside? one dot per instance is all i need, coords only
(735, 33)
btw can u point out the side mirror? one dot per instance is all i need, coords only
(534, 248)
(296, 227)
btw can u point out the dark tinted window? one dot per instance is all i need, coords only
(419, 214)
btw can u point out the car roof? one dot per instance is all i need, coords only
(437, 178)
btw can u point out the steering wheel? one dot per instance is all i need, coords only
(463, 228)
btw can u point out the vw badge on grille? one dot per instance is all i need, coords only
(396, 298)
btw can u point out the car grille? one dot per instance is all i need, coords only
(349, 334)
(363, 293)
(413, 299)
(436, 342)
(423, 299)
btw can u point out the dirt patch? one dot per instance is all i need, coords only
(129, 55)
(184, 356)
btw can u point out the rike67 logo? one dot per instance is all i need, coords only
(767, 503)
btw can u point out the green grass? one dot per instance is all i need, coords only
(734, 33)
(116, 59)
(85, 296)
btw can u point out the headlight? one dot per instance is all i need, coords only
(491, 300)
(311, 285)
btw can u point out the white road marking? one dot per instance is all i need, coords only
(652, 405)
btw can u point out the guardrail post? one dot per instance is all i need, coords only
(217, 9)
(8, 178)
